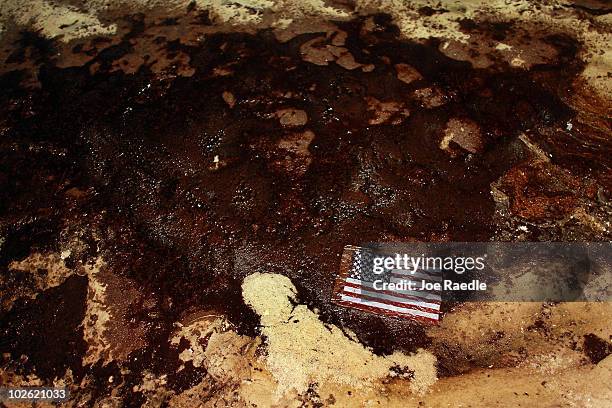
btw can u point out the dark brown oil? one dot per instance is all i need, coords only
(188, 231)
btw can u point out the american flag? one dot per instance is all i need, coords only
(354, 288)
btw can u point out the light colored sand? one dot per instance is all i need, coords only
(525, 367)
(46, 270)
(68, 23)
(108, 333)
(52, 20)
(97, 317)
(205, 326)
(553, 15)
(301, 350)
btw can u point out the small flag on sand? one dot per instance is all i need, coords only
(395, 293)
